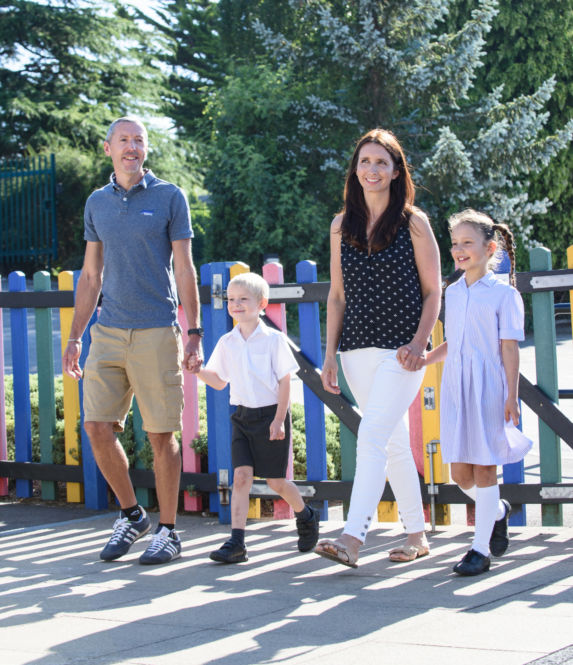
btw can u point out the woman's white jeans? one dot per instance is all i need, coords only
(384, 392)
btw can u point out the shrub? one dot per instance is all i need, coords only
(127, 437)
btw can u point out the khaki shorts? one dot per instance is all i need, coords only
(143, 362)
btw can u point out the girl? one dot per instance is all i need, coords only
(383, 302)
(479, 407)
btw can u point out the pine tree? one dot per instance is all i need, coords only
(67, 72)
(343, 67)
(529, 42)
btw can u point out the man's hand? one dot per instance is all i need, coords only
(193, 357)
(71, 360)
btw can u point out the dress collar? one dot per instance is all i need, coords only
(489, 279)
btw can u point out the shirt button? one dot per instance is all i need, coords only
(125, 198)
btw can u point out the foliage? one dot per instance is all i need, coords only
(58, 444)
(333, 461)
(529, 42)
(282, 122)
(67, 71)
(260, 189)
(127, 437)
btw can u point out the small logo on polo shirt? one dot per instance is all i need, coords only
(147, 212)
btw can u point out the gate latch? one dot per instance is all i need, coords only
(429, 398)
(217, 294)
(223, 487)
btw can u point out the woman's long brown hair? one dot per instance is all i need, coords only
(402, 193)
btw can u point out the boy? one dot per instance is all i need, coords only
(257, 363)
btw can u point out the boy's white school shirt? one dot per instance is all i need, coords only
(253, 366)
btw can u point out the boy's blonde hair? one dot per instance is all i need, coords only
(254, 283)
(490, 231)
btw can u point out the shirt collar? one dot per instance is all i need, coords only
(142, 184)
(261, 329)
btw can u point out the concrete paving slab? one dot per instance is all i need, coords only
(60, 605)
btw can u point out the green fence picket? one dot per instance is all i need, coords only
(46, 397)
(546, 367)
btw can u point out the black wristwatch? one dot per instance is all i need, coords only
(196, 331)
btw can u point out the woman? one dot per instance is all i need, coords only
(383, 302)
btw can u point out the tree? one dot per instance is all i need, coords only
(529, 42)
(67, 72)
(260, 197)
(344, 66)
(68, 69)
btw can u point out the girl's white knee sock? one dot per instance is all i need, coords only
(487, 503)
(471, 492)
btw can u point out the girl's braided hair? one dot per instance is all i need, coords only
(491, 231)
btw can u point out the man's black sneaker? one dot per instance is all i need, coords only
(499, 541)
(125, 533)
(165, 546)
(308, 531)
(230, 552)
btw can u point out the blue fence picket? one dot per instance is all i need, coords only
(311, 346)
(21, 375)
(513, 473)
(217, 322)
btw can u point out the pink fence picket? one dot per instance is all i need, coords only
(273, 273)
(190, 430)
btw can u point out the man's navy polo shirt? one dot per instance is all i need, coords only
(136, 228)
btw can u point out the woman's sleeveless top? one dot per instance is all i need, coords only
(382, 293)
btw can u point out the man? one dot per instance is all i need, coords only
(138, 249)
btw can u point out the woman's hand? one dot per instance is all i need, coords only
(411, 356)
(329, 375)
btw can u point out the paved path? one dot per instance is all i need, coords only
(60, 605)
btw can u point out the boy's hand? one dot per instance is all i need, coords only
(277, 430)
(511, 410)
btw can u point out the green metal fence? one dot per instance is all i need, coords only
(28, 210)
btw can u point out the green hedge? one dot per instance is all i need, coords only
(146, 455)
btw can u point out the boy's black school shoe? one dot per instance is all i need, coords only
(308, 531)
(499, 541)
(473, 563)
(230, 552)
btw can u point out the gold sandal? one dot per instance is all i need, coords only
(406, 553)
(340, 555)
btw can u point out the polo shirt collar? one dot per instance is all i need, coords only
(142, 184)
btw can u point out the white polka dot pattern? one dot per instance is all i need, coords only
(383, 295)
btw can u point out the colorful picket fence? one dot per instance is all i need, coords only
(88, 486)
